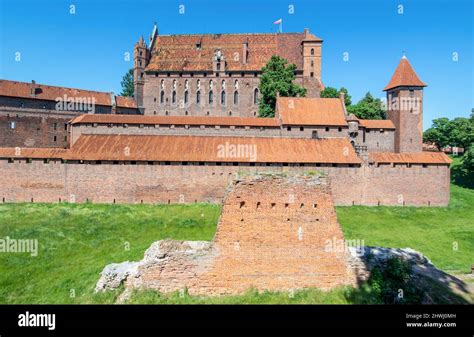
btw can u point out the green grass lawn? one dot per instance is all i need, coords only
(434, 231)
(76, 241)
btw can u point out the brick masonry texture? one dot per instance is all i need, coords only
(396, 185)
(275, 233)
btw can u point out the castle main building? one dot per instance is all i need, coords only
(192, 129)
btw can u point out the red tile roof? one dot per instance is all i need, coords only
(200, 149)
(311, 111)
(410, 158)
(126, 102)
(51, 93)
(174, 120)
(404, 76)
(180, 52)
(376, 123)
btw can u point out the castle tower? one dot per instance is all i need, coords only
(141, 56)
(312, 64)
(405, 107)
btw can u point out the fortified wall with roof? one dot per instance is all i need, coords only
(173, 143)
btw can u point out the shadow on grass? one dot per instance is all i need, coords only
(424, 285)
(462, 178)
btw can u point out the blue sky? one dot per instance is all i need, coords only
(86, 49)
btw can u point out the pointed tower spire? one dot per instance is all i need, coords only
(404, 76)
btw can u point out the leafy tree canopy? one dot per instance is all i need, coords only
(277, 76)
(368, 108)
(330, 92)
(445, 132)
(127, 84)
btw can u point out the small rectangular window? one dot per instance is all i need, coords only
(12, 125)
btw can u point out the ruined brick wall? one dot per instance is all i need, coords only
(366, 185)
(275, 233)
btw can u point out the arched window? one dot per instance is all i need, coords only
(236, 97)
(198, 97)
(162, 84)
(211, 97)
(173, 97)
(186, 85)
(223, 84)
(186, 97)
(255, 96)
(198, 84)
(174, 84)
(211, 84)
(162, 96)
(312, 51)
(236, 85)
(223, 97)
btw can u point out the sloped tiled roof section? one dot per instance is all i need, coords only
(52, 93)
(195, 52)
(376, 123)
(174, 120)
(213, 149)
(311, 111)
(410, 158)
(51, 153)
(404, 76)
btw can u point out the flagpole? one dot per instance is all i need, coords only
(281, 26)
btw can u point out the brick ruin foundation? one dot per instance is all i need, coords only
(275, 233)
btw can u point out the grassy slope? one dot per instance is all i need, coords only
(431, 230)
(78, 240)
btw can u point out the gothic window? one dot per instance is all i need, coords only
(198, 97)
(173, 97)
(162, 84)
(223, 84)
(174, 84)
(162, 96)
(223, 97)
(186, 97)
(211, 97)
(186, 85)
(211, 85)
(255, 96)
(198, 84)
(236, 97)
(312, 51)
(236, 85)
(312, 63)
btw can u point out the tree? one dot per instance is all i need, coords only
(330, 92)
(277, 76)
(128, 88)
(368, 108)
(444, 132)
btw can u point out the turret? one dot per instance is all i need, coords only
(405, 107)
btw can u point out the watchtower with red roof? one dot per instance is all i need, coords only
(405, 107)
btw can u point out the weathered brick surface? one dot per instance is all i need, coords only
(275, 233)
(367, 185)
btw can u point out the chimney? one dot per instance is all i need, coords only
(342, 98)
(306, 32)
(33, 88)
(245, 52)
